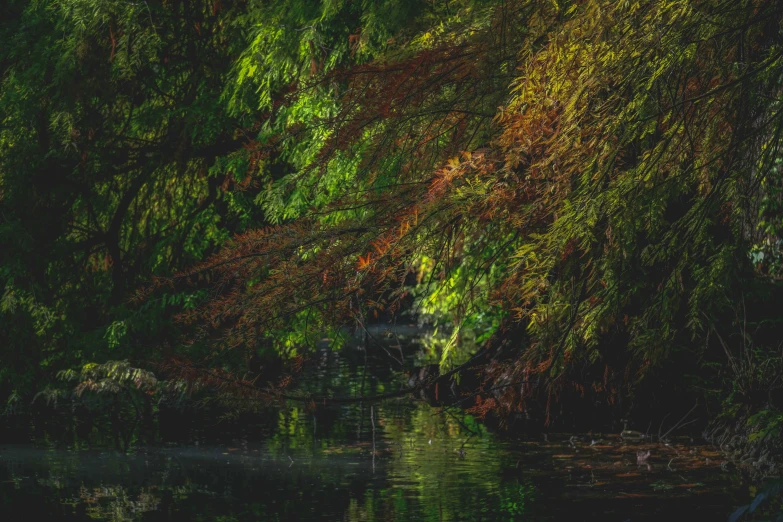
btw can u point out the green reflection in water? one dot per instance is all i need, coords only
(399, 460)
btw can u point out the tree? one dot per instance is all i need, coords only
(118, 161)
(593, 185)
(606, 211)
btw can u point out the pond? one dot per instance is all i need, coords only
(401, 459)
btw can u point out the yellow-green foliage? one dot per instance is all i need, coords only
(582, 170)
(596, 179)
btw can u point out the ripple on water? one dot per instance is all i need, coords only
(406, 461)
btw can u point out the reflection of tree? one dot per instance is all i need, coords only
(331, 450)
(330, 466)
(115, 504)
(414, 478)
(112, 502)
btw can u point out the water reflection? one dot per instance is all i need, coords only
(399, 460)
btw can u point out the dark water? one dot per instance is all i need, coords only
(398, 460)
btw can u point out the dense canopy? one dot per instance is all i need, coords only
(588, 191)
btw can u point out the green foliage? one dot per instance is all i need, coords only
(525, 223)
(111, 377)
(597, 180)
(118, 163)
(766, 253)
(765, 424)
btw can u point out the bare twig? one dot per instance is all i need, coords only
(679, 423)
(661, 426)
(372, 421)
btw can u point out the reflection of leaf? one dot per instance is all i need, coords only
(756, 501)
(737, 514)
(772, 488)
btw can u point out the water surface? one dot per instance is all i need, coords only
(397, 460)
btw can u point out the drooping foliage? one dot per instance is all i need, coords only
(592, 185)
(128, 151)
(590, 173)
(111, 129)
